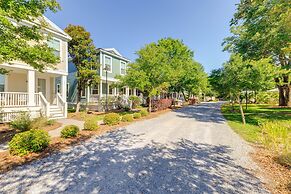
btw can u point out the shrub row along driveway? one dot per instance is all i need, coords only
(185, 151)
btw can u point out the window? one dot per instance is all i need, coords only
(111, 89)
(68, 88)
(122, 67)
(83, 93)
(95, 90)
(55, 45)
(58, 88)
(107, 63)
(2, 82)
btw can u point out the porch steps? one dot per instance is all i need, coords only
(56, 112)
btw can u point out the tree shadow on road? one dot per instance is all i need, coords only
(114, 164)
(206, 112)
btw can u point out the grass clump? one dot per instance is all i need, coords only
(127, 118)
(22, 122)
(34, 140)
(70, 131)
(111, 119)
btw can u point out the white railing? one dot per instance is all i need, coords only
(13, 99)
(44, 104)
(61, 103)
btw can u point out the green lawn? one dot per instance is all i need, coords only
(255, 115)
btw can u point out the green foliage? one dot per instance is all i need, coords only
(127, 118)
(70, 131)
(91, 124)
(144, 112)
(261, 29)
(22, 122)
(84, 56)
(15, 39)
(135, 101)
(276, 136)
(30, 141)
(158, 66)
(267, 98)
(136, 115)
(41, 122)
(111, 119)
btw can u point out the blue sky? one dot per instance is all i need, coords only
(128, 25)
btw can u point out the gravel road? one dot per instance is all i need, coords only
(190, 150)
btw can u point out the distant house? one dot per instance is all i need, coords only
(117, 64)
(24, 89)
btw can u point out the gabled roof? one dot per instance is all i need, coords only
(113, 50)
(52, 26)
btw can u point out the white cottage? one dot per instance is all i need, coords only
(24, 89)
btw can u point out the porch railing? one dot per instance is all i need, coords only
(13, 99)
(61, 103)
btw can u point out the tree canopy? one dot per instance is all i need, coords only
(16, 38)
(84, 56)
(262, 29)
(165, 64)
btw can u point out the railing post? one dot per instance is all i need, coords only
(31, 87)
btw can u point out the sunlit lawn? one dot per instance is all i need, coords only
(255, 115)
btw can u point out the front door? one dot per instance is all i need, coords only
(41, 86)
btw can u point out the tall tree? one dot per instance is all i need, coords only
(240, 75)
(192, 80)
(157, 67)
(84, 56)
(16, 38)
(261, 29)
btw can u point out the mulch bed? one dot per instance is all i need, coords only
(279, 176)
(9, 162)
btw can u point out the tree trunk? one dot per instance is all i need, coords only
(255, 97)
(246, 99)
(288, 94)
(185, 98)
(78, 103)
(282, 96)
(150, 104)
(242, 112)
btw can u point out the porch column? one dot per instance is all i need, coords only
(114, 92)
(31, 87)
(88, 94)
(100, 90)
(134, 92)
(127, 91)
(64, 93)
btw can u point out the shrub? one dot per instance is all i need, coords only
(276, 137)
(161, 104)
(144, 112)
(69, 131)
(111, 119)
(135, 101)
(22, 122)
(91, 124)
(136, 115)
(34, 140)
(127, 118)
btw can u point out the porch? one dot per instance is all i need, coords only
(30, 91)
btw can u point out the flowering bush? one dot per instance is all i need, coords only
(161, 104)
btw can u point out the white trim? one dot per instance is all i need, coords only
(26, 67)
(114, 55)
(124, 67)
(109, 79)
(114, 50)
(111, 60)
